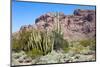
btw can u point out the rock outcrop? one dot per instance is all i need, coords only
(77, 26)
(80, 25)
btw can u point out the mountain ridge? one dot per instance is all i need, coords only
(80, 25)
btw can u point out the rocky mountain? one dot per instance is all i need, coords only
(73, 40)
(80, 25)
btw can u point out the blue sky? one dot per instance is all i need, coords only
(24, 13)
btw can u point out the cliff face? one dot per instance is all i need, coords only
(80, 25)
(77, 26)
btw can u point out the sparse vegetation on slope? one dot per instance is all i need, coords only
(40, 43)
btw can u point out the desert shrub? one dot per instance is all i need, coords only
(88, 42)
(82, 46)
(85, 43)
(15, 45)
(34, 53)
(93, 45)
(24, 38)
(77, 48)
(66, 49)
(20, 42)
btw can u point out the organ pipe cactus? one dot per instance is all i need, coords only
(43, 40)
(58, 35)
(47, 41)
(40, 40)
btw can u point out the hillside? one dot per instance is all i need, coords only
(56, 38)
(80, 25)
